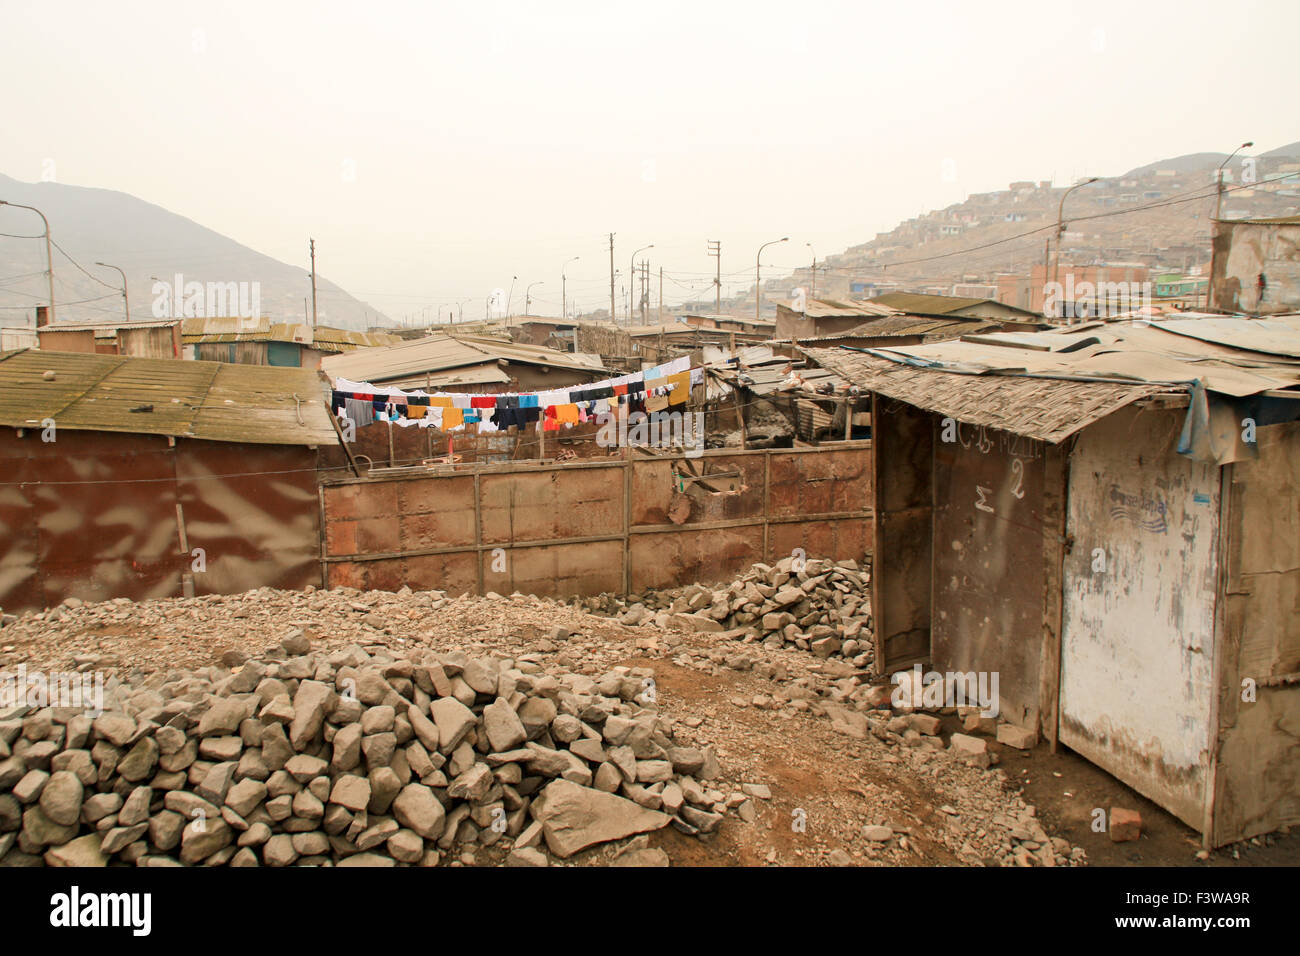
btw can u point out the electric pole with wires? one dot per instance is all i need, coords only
(715, 250)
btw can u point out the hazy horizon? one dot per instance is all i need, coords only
(435, 152)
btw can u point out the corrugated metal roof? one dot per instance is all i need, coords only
(933, 328)
(1277, 335)
(833, 308)
(928, 304)
(214, 401)
(107, 326)
(442, 353)
(1050, 384)
(1047, 409)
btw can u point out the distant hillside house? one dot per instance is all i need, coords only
(154, 338)
(822, 317)
(259, 342)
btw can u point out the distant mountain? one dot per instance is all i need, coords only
(144, 240)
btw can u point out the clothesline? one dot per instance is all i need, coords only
(651, 390)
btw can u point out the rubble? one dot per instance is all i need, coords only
(819, 606)
(337, 726)
(360, 756)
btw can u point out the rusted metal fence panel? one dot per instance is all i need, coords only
(253, 510)
(592, 526)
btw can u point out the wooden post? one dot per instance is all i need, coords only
(478, 531)
(740, 417)
(1055, 472)
(627, 521)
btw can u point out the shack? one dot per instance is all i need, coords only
(150, 478)
(1109, 519)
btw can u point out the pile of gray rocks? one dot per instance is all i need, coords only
(815, 605)
(360, 757)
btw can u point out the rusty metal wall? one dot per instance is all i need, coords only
(988, 568)
(254, 511)
(94, 515)
(903, 458)
(587, 527)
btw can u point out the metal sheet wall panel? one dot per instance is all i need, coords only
(827, 481)
(455, 573)
(988, 569)
(254, 511)
(106, 512)
(374, 525)
(902, 458)
(556, 570)
(20, 584)
(1137, 653)
(536, 506)
(841, 539)
(680, 557)
(1257, 778)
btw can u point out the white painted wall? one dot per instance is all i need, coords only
(1137, 652)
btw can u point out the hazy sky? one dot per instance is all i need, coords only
(435, 150)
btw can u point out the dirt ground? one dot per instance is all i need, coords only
(824, 786)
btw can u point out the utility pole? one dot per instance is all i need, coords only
(645, 288)
(49, 258)
(758, 281)
(563, 298)
(313, 282)
(611, 278)
(125, 301)
(1060, 227)
(661, 295)
(631, 280)
(715, 250)
(1218, 175)
(814, 270)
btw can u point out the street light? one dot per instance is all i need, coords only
(528, 298)
(631, 281)
(510, 298)
(460, 310)
(1060, 227)
(758, 284)
(1218, 175)
(49, 259)
(126, 301)
(814, 270)
(563, 287)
